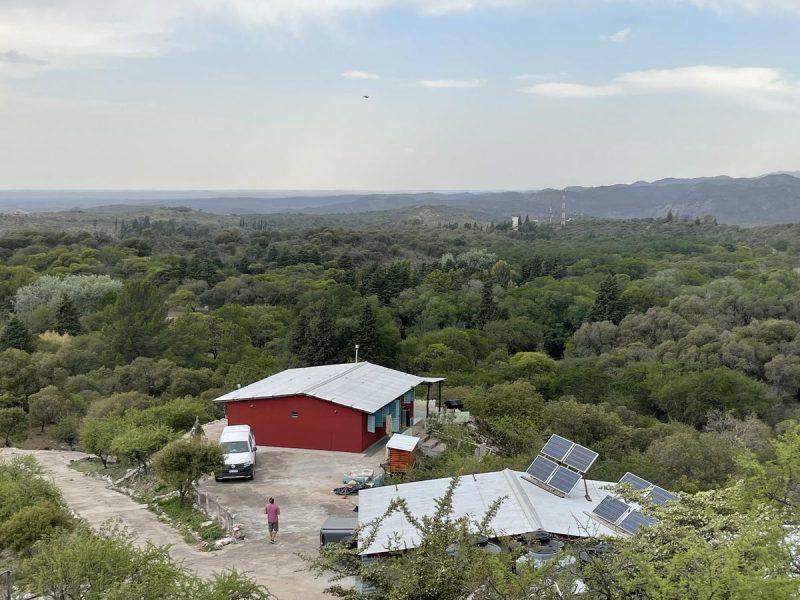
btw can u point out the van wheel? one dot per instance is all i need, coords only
(251, 477)
(217, 479)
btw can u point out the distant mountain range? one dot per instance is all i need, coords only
(773, 198)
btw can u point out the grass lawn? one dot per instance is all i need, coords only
(93, 466)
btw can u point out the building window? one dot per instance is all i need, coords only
(295, 414)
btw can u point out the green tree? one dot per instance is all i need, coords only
(689, 397)
(710, 545)
(13, 424)
(66, 430)
(67, 317)
(690, 461)
(510, 413)
(45, 406)
(488, 309)
(18, 375)
(536, 367)
(137, 320)
(501, 273)
(16, 335)
(138, 444)
(366, 336)
(97, 436)
(319, 345)
(184, 461)
(608, 305)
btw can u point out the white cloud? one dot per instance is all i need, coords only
(78, 32)
(704, 79)
(360, 75)
(768, 88)
(453, 83)
(619, 37)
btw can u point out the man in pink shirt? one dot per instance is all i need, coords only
(272, 511)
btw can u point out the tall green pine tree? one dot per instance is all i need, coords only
(138, 320)
(366, 336)
(16, 335)
(487, 310)
(67, 317)
(608, 305)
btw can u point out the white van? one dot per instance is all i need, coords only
(239, 446)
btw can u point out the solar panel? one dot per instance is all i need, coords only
(581, 458)
(541, 468)
(557, 447)
(635, 520)
(661, 496)
(610, 509)
(564, 480)
(635, 481)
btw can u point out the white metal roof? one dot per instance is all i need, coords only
(526, 507)
(402, 442)
(363, 386)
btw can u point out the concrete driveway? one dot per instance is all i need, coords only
(301, 481)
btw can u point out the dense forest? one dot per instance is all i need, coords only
(670, 347)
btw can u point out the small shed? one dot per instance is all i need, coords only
(401, 452)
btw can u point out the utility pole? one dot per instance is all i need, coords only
(564, 208)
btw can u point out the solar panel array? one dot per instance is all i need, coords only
(567, 452)
(625, 516)
(655, 494)
(551, 466)
(554, 475)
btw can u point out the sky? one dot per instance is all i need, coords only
(462, 94)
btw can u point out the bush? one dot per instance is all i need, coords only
(32, 523)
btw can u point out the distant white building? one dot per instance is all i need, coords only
(515, 222)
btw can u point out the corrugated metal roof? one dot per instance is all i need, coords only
(402, 442)
(363, 386)
(526, 507)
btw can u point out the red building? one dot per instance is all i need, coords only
(345, 407)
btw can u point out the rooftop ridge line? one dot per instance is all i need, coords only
(522, 499)
(333, 378)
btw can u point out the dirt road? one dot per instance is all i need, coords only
(96, 503)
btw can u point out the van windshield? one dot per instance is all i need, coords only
(235, 447)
